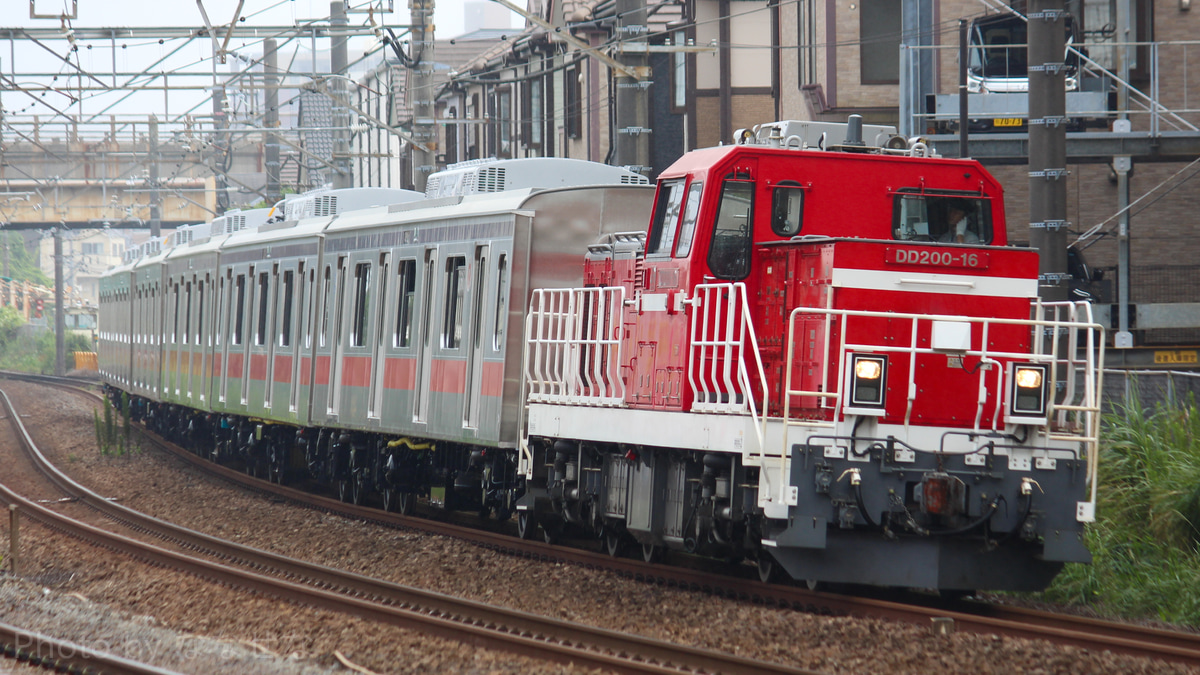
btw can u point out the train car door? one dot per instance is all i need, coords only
(303, 334)
(204, 338)
(378, 358)
(272, 337)
(425, 358)
(334, 393)
(472, 385)
(237, 329)
(224, 333)
(157, 320)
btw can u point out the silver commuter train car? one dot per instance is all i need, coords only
(411, 307)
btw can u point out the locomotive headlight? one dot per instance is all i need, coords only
(868, 383)
(867, 369)
(1029, 378)
(1028, 395)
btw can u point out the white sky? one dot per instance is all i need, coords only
(448, 14)
(31, 65)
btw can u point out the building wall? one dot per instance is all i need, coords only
(87, 255)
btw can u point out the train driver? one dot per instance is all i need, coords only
(960, 226)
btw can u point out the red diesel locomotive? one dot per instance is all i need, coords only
(827, 361)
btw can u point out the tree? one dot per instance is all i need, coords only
(10, 321)
(21, 265)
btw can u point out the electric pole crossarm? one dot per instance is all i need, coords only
(211, 33)
(635, 73)
(229, 33)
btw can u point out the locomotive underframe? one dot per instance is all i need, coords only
(864, 507)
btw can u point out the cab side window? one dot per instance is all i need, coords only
(729, 251)
(787, 209)
(666, 218)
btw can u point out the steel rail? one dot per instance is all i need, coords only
(64, 656)
(1089, 633)
(376, 600)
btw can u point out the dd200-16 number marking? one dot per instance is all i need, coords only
(943, 258)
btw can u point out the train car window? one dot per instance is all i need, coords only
(239, 312)
(200, 309)
(666, 218)
(787, 209)
(325, 294)
(691, 211)
(220, 304)
(729, 252)
(456, 289)
(187, 316)
(260, 335)
(175, 326)
(501, 302)
(362, 298)
(406, 282)
(308, 323)
(477, 314)
(385, 264)
(285, 333)
(947, 217)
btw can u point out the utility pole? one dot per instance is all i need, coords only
(1048, 146)
(220, 144)
(633, 90)
(424, 129)
(60, 321)
(155, 197)
(342, 177)
(963, 99)
(1123, 166)
(271, 119)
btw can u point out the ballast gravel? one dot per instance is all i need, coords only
(305, 638)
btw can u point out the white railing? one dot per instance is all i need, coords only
(721, 341)
(1056, 331)
(573, 346)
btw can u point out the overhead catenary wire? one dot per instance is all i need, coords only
(1093, 231)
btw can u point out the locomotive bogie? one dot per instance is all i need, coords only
(655, 498)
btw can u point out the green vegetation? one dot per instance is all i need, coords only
(21, 264)
(29, 351)
(1146, 541)
(109, 439)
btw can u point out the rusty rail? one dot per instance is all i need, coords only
(376, 600)
(1084, 632)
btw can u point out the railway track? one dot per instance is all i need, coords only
(62, 656)
(327, 588)
(1083, 632)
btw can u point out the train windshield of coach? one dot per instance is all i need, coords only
(952, 218)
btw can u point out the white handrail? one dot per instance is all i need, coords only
(573, 346)
(1070, 319)
(720, 335)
